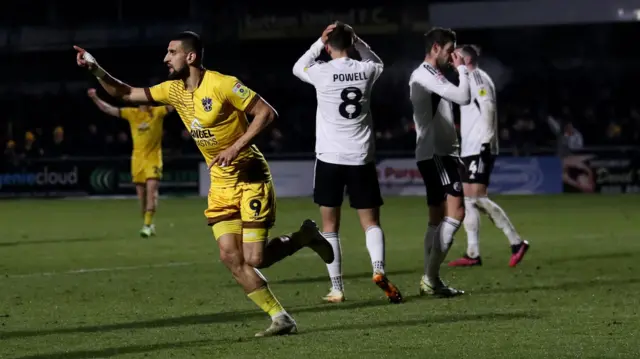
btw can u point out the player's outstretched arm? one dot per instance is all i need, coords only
(103, 106)
(113, 86)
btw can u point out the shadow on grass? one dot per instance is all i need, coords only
(224, 317)
(139, 349)
(325, 278)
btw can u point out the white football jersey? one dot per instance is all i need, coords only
(479, 119)
(344, 126)
(432, 96)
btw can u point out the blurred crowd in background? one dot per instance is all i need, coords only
(555, 84)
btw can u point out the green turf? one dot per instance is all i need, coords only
(574, 296)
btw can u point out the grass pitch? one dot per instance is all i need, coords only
(76, 281)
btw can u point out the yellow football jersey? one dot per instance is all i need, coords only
(146, 131)
(214, 115)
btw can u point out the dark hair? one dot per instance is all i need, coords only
(440, 36)
(341, 38)
(473, 51)
(191, 43)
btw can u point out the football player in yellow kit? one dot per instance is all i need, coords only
(146, 159)
(242, 203)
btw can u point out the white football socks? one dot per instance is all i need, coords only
(375, 246)
(472, 226)
(500, 219)
(448, 229)
(441, 243)
(335, 267)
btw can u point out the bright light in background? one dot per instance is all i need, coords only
(629, 15)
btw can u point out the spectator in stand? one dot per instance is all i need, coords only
(569, 139)
(59, 147)
(524, 133)
(614, 133)
(123, 145)
(11, 159)
(31, 149)
(91, 142)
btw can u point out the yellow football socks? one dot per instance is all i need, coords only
(265, 299)
(148, 218)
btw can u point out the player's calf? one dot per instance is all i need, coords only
(254, 285)
(471, 226)
(330, 231)
(374, 236)
(149, 202)
(454, 215)
(233, 258)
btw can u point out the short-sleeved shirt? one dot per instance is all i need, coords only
(215, 116)
(146, 131)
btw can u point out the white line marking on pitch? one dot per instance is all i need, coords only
(117, 269)
(95, 270)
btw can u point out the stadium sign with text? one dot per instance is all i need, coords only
(82, 177)
(606, 172)
(40, 179)
(400, 177)
(372, 20)
(511, 175)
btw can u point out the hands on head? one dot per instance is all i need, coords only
(331, 27)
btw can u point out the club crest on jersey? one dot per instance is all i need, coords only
(143, 127)
(312, 64)
(240, 90)
(206, 103)
(482, 92)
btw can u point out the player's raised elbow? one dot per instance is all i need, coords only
(464, 98)
(262, 110)
(270, 115)
(298, 70)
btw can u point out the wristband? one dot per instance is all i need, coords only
(98, 72)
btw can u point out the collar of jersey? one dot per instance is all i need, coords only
(203, 72)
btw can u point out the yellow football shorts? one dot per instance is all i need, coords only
(247, 209)
(143, 170)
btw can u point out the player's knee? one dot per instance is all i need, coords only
(369, 218)
(470, 201)
(253, 241)
(230, 252)
(227, 257)
(455, 207)
(481, 203)
(330, 219)
(232, 259)
(256, 260)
